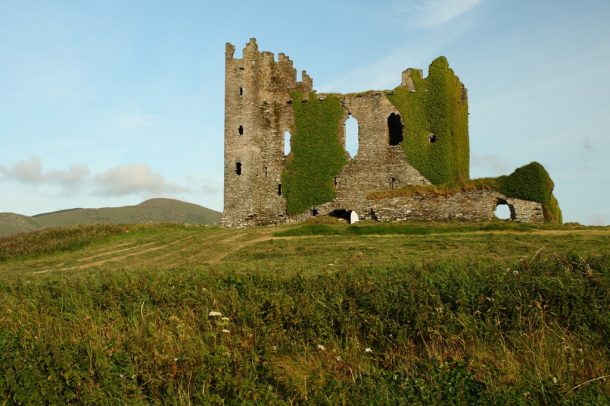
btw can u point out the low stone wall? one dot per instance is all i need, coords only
(471, 205)
(475, 205)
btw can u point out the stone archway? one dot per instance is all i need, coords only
(504, 210)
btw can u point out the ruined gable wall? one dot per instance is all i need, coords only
(377, 165)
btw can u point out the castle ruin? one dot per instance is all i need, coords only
(412, 143)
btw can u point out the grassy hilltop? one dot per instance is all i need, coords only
(159, 210)
(491, 313)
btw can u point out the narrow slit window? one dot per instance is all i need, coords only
(240, 130)
(351, 136)
(279, 189)
(266, 171)
(238, 168)
(287, 139)
(241, 91)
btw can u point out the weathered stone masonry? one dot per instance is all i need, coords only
(258, 111)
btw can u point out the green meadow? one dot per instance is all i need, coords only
(485, 313)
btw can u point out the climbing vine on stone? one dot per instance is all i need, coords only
(316, 155)
(435, 117)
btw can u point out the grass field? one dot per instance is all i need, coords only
(321, 314)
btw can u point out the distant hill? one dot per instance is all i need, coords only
(150, 211)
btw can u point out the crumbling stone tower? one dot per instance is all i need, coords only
(258, 92)
(415, 136)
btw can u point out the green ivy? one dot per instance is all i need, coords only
(529, 182)
(316, 156)
(532, 182)
(438, 106)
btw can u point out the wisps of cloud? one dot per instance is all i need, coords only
(135, 179)
(492, 163)
(434, 13)
(134, 120)
(599, 219)
(385, 72)
(30, 171)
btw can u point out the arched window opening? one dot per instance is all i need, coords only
(287, 141)
(394, 129)
(238, 168)
(504, 211)
(351, 136)
(240, 130)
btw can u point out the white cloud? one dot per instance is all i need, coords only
(30, 171)
(135, 179)
(433, 13)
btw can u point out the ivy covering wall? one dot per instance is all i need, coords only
(438, 107)
(532, 182)
(316, 156)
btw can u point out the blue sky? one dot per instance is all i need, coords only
(106, 103)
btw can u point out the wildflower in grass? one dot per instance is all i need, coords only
(274, 348)
(225, 319)
(175, 359)
(321, 347)
(554, 380)
(214, 314)
(515, 272)
(224, 330)
(368, 349)
(338, 358)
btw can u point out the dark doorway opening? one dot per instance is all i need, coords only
(238, 168)
(395, 129)
(340, 214)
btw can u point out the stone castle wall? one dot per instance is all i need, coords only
(258, 111)
(258, 90)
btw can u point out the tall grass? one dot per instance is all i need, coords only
(65, 239)
(442, 332)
